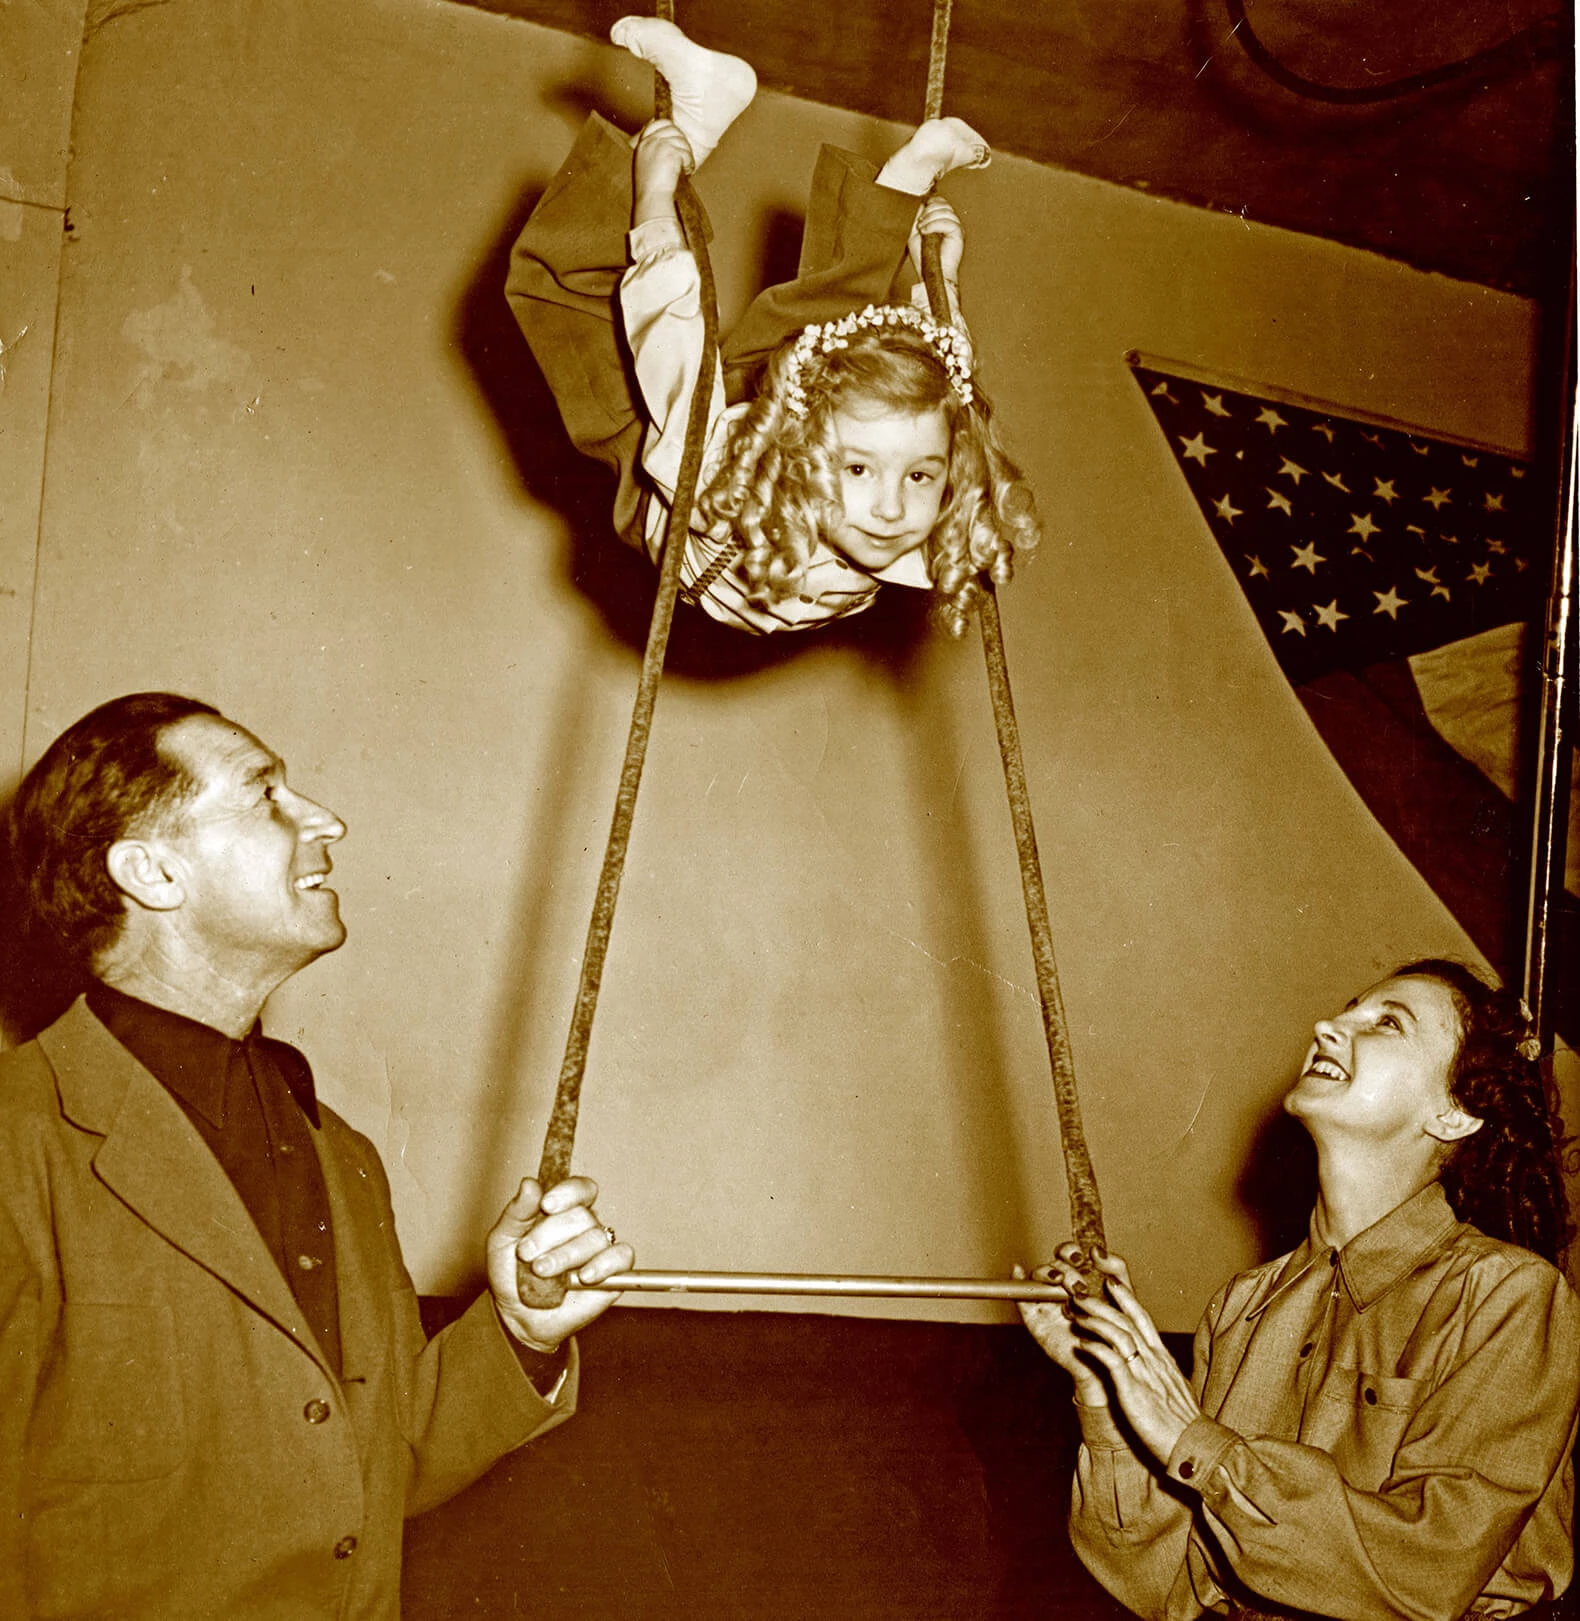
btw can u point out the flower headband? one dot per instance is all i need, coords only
(952, 349)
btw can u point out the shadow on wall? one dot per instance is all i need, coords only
(1278, 1187)
(514, 1104)
(37, 983)
(974, 1047)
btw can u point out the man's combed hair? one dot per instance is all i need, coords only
(778, 486)
(104, 778)
(1507, 1178)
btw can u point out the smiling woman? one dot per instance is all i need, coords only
(1381, 1071)
(1382, 1422)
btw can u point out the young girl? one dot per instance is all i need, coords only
(848, 445)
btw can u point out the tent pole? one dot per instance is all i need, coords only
(1555, 747)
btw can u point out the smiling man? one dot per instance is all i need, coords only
(216, 1397)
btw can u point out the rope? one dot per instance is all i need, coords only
(1086, 1211)
(560, 1135)
(937, 52)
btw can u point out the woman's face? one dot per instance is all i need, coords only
(1380, 1069)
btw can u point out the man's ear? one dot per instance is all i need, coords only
(1452, 1125)
(140, 869)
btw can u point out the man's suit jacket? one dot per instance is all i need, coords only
(173, 1442)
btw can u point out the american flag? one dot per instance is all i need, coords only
(1354, 542)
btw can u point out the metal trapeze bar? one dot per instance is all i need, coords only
(823, 1283)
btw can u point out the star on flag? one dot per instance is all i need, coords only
(1388, 587)
(1413, 591)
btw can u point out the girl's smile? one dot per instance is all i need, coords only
(893, 471)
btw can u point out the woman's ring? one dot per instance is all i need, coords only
(608, 1235)
(1133, 1355)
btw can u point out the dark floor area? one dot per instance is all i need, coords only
(755, 1464)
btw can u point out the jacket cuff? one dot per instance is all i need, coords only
(545, 1371)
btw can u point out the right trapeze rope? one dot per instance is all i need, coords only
(1086, 1210)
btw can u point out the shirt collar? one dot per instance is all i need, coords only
(189, 1059)
(910, 569)
(1376, 1259)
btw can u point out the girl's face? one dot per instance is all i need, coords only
(1380, 1069)
(892, 472)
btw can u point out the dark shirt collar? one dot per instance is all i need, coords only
(189, 1059)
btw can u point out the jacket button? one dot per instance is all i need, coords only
(1187, 1469)
(345, 1547)
(315, 1412)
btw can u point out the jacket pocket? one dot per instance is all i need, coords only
(1362, 1420)
(111, 1409)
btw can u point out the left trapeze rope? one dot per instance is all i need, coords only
(560, 1135)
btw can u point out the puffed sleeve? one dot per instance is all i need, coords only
(661, 302)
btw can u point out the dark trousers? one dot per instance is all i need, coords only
(564, 280)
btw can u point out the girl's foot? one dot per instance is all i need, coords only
(710, 90)
(938, 147)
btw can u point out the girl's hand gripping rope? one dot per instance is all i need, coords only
(662, 156)
(937, 218)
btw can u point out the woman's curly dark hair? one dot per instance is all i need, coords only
(778, 485)
(1507, 1178)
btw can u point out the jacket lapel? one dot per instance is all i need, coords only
(154, 1161)
(355, 1270)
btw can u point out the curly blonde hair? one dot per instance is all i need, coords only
(778, 485)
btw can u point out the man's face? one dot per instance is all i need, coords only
(252, 856)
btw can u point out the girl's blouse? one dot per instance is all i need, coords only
(661, 300)
(1388, 1431)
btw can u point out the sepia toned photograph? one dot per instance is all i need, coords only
(789, 810)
